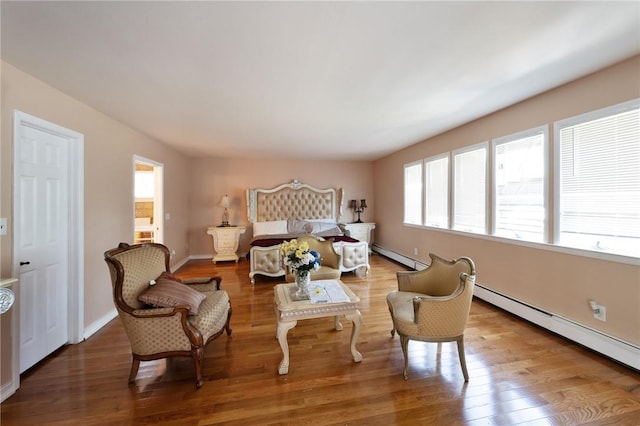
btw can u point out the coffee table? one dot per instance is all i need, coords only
(289, 310)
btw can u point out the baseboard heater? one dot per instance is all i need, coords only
(400, 258)
(619, 350)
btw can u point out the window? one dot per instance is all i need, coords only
(469, 189)
(519, 185)
(413, 193)
(598, 181)
(436, 203)
(595, 186)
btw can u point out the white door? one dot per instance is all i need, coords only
(41, 216)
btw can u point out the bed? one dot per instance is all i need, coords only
(294, 209)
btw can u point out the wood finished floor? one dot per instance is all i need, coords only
(519, 373)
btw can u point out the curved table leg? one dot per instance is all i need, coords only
(281, 334)
(338, 324)
(356, 318)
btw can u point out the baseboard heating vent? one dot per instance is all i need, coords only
(400, 258)
(619, 350)
(419, 266)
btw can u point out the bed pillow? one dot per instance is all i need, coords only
(323, 220)
(272, 227)
(297, 226)
(321, 227)
(168, 292)
(324, 227)
(329, 231)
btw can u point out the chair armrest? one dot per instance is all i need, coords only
(154, 319)
(432, 302)
(159, 312)
(203, 283)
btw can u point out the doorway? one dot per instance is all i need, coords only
(48, 236)
(148, 212)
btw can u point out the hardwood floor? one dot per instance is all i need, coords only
(519, 373)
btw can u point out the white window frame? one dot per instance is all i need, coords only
(540, 130)
(558, 126)
(487, 166)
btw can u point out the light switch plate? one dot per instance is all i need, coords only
(3, 226)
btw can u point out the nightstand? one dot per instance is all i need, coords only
(225, 242)
(361, 232)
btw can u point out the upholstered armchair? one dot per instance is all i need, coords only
(162, 315)
(329, 259)
(433, 305)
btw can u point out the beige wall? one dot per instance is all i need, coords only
(560, 282)
(109, 147)
(193, 186)
(211, 178)
(555, 281)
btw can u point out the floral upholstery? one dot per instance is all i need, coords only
(433, 305)
(162, 332)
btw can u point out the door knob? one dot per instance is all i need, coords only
(24, 263)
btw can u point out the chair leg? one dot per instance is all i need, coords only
(463, 362)
(393, 328)
(198, 356)
(135, 364)
(227, 325)
(404, 343)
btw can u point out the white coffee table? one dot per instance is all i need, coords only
(289, 311)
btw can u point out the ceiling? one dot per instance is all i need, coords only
(332, 80)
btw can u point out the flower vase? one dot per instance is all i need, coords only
(303, 279)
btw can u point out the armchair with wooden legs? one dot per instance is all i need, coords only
(178, 329)
(433, 305)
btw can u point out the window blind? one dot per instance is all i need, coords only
(437, 192)
(469, 202)
(413, 193)
(599, 189)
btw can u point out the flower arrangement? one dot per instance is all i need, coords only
(299, 258)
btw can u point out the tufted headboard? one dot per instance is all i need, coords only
(293, 200)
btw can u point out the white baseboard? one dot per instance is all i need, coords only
(619, 350)
(9, 389)
(612, 347)
(398, 257)
(200, 257)
(101, 322)
(181, 263)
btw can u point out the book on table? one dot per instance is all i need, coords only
(327, 291)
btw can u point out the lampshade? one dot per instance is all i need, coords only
(363, 204)
(226, 201)
(352, 204)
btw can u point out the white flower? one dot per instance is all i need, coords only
(298, 257)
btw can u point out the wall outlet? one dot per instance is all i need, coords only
(601, 313)
(415, 251)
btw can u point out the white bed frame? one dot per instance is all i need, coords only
(297, 200)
